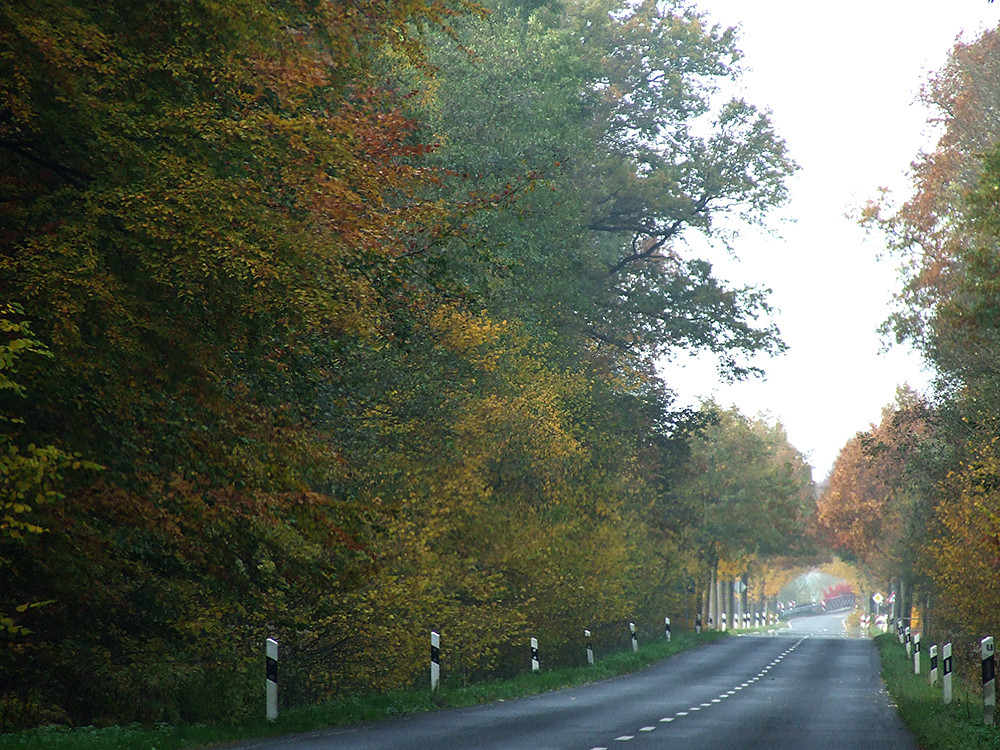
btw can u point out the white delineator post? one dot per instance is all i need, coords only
(590, 647)
(723, 621)
(635, 638)
(435, 660)
(666, 621)
(934, 664)
(916, 654)
(989, 679)
(534, 655)
(909, 643)
(946, 670)
(271, 670)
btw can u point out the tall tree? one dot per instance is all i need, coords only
(750, 492)
(879, 503)
(598, 102)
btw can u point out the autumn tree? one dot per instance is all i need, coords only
(945, 235)
(878, 504)
(926, 231)
(750, 493)
(188, 225)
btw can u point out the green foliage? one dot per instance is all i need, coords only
(30, 475)
(751, 490)
(611, 111)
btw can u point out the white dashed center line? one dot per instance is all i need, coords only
(722, 696)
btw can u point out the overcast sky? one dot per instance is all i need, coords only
(841, 81)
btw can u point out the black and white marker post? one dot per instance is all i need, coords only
(435, 660)
(723, 622)
(989, 679)
(534, 655)
(934, 665)
(916, 653)
(590, 647)
(666, 621)
(909, 643)
(271, 670)
(635, 638)
(946, 670)
(697, 623)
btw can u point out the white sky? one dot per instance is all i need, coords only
(841, 81)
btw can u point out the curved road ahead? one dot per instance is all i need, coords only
(803, 689)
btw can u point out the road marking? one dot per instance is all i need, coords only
(681, 713)
(716, 700)
(695, 708)
(625, 738)
(646, 729)
(667, 719)
(707, 705)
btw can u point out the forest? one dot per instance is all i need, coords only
(915, 499)
(338, 323)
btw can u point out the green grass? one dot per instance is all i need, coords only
(349, 710)
(936, 726)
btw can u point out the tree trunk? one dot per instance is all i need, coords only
(713, 597)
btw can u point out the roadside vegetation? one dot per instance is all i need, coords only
(351, 709)
(958, 726)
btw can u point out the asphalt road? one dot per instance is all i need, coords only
(804, 689)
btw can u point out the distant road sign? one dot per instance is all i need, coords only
(878, 598)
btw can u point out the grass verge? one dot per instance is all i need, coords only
(365, 707)
(958, 726)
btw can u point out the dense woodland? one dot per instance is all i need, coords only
(337, 323)
(916, 498)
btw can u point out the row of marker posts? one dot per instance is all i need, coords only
(756, 620)
(271, 661)
(535, 661)
(987, 655)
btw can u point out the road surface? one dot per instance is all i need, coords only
(799, 690)
(819, 625)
